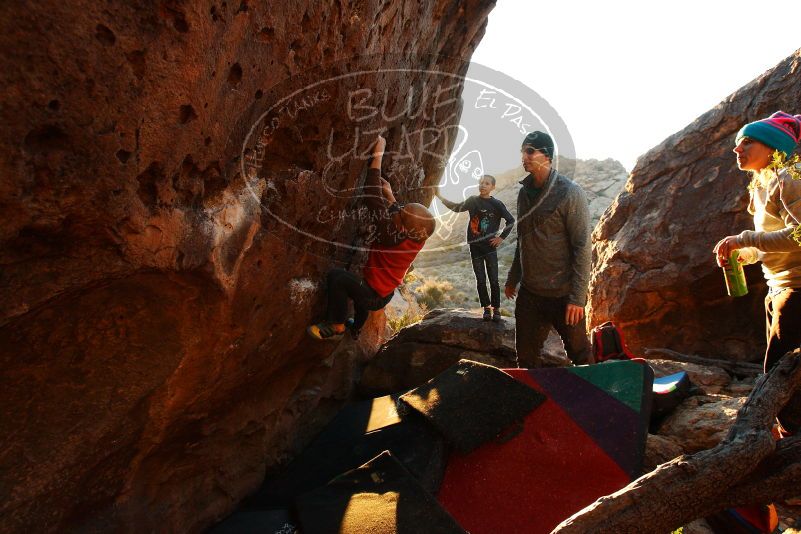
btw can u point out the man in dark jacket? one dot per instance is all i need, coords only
(552, 257)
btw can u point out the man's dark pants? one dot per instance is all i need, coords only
(783, 321)
(344, 285)
(482, 255)
(534, 316)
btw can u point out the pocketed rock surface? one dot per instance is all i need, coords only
(155, 288)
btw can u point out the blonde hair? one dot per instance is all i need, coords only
(764, 175)
(761, 177)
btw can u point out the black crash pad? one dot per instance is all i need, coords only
(359, 432)
(471, 403)
(261, 521)
(380, 497)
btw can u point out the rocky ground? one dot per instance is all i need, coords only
(422, 350)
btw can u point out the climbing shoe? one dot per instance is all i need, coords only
(350, 326)
(487, 314)
(496, 315)
(326, 330)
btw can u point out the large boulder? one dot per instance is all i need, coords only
(658, 450)
(165, 236)
(422, 350)
(653, 269)
(462, 328)
(701, 422)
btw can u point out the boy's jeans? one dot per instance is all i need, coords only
(488, 255)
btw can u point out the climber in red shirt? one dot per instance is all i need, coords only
(402, 231)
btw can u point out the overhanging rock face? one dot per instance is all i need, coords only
(163, 241)
(653, 268)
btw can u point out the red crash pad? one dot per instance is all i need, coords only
(585, 441)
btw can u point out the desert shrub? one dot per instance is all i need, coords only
(409, 278)
(414, 311)
(412, 314)
(434, 293)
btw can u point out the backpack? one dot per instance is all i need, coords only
(608, 343)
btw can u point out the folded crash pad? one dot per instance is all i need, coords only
(380, 497)
(359, 432)
(471, 403)
(669, 391)
(747, 520)
(262, 521)
(585, 441)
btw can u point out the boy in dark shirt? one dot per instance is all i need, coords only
(401, 231)
(486, 213)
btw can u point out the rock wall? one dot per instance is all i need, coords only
(653, 268)
(162, 245)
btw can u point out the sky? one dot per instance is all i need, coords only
(623, 76)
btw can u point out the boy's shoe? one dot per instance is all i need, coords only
(325, 330)
(496, 315)
(487, 314)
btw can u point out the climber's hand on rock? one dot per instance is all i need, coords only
(379, 146)
(378, 153)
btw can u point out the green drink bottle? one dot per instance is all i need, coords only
(735, 276)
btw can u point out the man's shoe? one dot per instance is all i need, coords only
(496, 315)
(326, 330)
(487, 314)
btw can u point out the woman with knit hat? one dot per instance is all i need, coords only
(765, 149)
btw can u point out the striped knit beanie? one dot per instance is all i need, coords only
(781, 131)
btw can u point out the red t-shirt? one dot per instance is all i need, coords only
(387, 265)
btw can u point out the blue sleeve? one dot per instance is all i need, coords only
(457, 206)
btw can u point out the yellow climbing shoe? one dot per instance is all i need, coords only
(326, 330)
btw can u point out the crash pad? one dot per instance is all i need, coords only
(262, 521)
(379, 497)
(359, 432)
(585, 441)
(746, 520)
(471, 403)
(669, 391)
